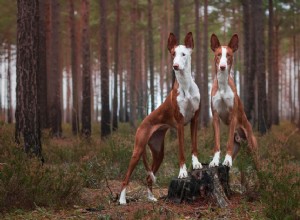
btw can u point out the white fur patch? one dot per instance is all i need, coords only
(196, 163)
(223, 100)
(188, 98)
(227, 161)
(122, 199)
(150, 173)
(223, 60)
(182, 172)
(216, 160)
(151, 196)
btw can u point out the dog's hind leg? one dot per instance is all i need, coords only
(139, 148)
(156, 144)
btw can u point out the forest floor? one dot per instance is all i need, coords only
(81, 179)
(98, 204)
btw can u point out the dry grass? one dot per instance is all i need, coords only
(81, 173)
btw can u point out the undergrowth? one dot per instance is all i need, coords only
(72, 163)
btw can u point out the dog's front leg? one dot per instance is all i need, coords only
(180, 135)
(216, 126)
(194, 129)
(230, 142)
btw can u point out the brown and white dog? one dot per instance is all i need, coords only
(181, 106)
(226, 104)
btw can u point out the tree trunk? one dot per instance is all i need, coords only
(55, 115)
(27, 112)
(86, 71)
(198, 49)
(151, 54)
(43, 71)
(105, 111)
(260, 64)
(176, 28)
(133, 99)
(9, 102)
(204, 92)
(270, 64)
(74, 64)
(116, 69)
(249, 71)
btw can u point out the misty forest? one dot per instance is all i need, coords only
(90, 88)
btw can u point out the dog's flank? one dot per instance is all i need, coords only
(225, 102)
(181, 106)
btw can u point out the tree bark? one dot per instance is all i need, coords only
(260, 64)
(198, 48)
(42, 72)
(204, 92)
(86, 71)
(133, 97)
(27, 112)
(249, 71)
(151, 54)
(270, 64)
(206, 184)
(116, 69)
(74, 64)
(176, 28)
(55, 114)
(105, 110)
(9, 100)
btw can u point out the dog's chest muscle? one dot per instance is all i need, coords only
(188, 101)
(222, 102)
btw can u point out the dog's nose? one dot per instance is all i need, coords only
(222, 67)
(176, 66)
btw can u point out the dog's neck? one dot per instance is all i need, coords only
(222, 78)
(184, 77)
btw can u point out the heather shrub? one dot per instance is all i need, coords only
(26, 183)
(280, 184)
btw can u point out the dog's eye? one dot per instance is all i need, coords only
(183, 54)
(219, 55)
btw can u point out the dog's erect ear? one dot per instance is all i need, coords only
(188, 41)
(234, 42)
(214, 42)
(172, 42)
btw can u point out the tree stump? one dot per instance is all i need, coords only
(206, 183)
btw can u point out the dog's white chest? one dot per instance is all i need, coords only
(222, 102)
(188, 101)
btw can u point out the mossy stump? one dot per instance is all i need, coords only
(206, 184)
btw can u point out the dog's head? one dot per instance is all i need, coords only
(224, 54)
(181, 54)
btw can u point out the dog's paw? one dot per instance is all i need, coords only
(216, 160)
(122, 200)
(227, 161)
(151, 196)
(183, 172)
(196, 163)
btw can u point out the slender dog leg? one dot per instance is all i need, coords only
(136, 155)
(194, 129)
(216, 125)
(228, 157)
(180, 135)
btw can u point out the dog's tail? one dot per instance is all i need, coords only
(239, 139)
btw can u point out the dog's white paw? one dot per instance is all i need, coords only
(151, 196)
(227, 161)
(182, 172)
(196, 163)
(216, 160)
(122, 199)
